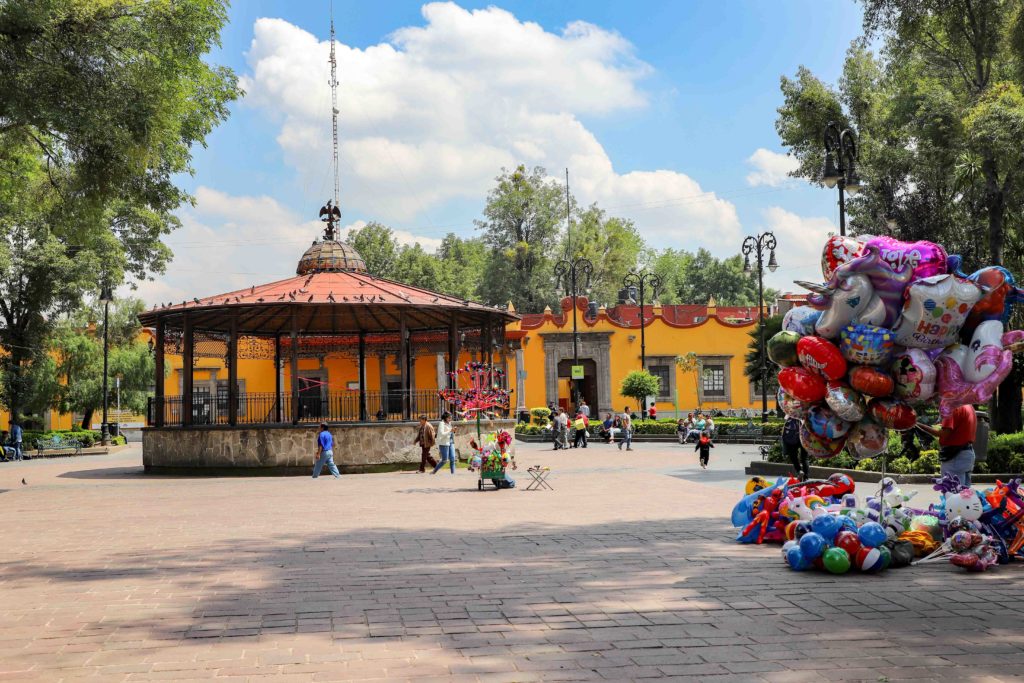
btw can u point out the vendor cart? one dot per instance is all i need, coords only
(493, 475)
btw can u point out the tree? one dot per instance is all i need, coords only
(695, 278)
(611, 244)
(377, 245)
(640, 384)
(752, 368)
(690, 362)
(463, 262)
(77, 347)
(102, 104)
(521, 229)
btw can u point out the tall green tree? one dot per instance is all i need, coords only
(612, 244)
(755, 352)
(696, 278)
(76, 345)
(102, 103)
(377, 245)
(463, 262)
(521, 228)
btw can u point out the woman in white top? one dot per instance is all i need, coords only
(445, 442)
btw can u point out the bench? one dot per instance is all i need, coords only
(58, 443)
(748, 433)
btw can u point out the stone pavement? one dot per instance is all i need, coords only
(626, 571)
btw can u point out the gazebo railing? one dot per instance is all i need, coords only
(268, 408)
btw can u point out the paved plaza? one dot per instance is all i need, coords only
(627, 570)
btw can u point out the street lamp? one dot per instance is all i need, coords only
(570, 273)
(642, 280)
(106, 296)
(758, 245)
(840, 166)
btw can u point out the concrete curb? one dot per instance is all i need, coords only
(780, 469)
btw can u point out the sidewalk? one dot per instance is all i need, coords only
(627, 570)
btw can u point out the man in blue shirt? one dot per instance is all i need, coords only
(325, 453)
(16, 439)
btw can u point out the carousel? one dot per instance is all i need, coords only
(333, 316)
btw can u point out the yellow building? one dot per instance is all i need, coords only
(609, 349)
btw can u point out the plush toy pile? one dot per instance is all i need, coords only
(823, 524)
(895, 326)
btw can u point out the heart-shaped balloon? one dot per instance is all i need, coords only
(821, 357)
(802, 384)
(870, 381)
(839, 250)
(893, 413)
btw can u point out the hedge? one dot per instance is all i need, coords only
(87, 437)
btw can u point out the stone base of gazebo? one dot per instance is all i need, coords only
(289, 449)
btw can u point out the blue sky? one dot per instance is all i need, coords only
(657, 109)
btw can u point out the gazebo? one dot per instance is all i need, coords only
(333, 310)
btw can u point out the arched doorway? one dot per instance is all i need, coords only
(588, 385)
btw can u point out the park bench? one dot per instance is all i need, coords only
(748, 433)
(58, 443)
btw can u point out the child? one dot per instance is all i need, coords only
(704, 445)
(681, 430)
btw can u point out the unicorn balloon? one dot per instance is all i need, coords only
(851, 299)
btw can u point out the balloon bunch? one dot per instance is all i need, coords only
(967, 548)
(882, 336)
(484, 392)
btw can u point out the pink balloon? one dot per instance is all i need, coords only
(924, 259)
(954, 390)
(914, 374)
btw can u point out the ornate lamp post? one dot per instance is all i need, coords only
(840, 166)
(105, 298)
(758, 246)
(571, 272)
(642, 281)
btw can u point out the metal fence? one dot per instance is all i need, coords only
(268, 408)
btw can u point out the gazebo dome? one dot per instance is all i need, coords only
(330, 256)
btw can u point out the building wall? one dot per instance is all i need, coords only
(718, 339)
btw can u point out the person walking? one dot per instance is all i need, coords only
(445, 442)
(956, 442)
(563, 429)
(581, 425)
(793, 449)
(325, 453)
(584, 408)
(16, 436)
(704, 445)
(627, 430)
(425, 438)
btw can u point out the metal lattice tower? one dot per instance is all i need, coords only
(334, 110)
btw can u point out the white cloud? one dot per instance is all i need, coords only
(433, 114)
(770, 168)
(800, 242)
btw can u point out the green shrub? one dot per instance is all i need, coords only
(842, 461)
(867, 465)
(928, 463)
(529, 430)
(1001, 451)
(900, 465)
(653, 427)
(540, 416)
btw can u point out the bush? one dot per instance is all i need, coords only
(928, 463)
(900, 465)
(530, 430)
(540, 416)
(1001, 451)
(654, 427)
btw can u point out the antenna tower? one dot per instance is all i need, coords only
(334, 110)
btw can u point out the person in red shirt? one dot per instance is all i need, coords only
(956, 442)
(652, 412)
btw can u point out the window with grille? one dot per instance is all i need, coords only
(713, 381)
(662, 372)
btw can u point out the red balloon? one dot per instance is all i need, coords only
(893, 413)
(802, 384)
(871, 381)
(848, 541)
(821, 356)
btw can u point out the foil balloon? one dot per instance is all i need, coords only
(935, 310)
(867, 439)
(845, 402)
(866, 344)
(821, 356)
(920, 259)
(782, 348)
(819, 447)
(998, 301)
(825, 424)
(886, 284)
(987, 360)
(851, 299)
(838, 250)
(914, 375)
(801, 319)
(802, 384)
(871, 381)
(892, 413)
(791, 406)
